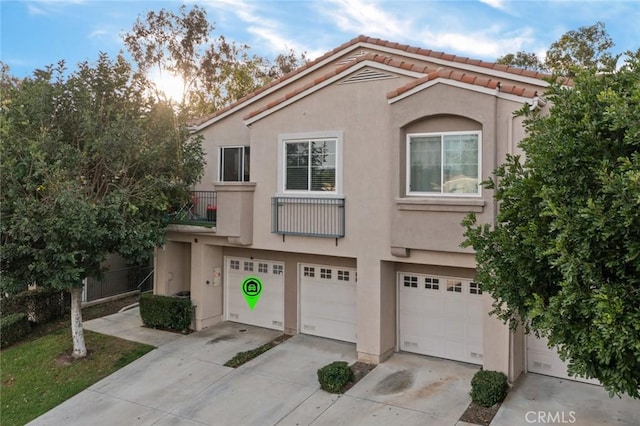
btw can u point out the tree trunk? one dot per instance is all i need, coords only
(77, 333)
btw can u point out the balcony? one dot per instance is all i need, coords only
(307, 216)
(226, 212)
(199, 210)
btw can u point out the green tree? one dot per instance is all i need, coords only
(524, 60)
(564, 254)
(586, 47)
(90, 163)
(213, 70)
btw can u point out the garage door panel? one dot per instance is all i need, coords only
(456, 329)
(328, 302)
(269, 311)
(440, 316)
(418, 303)
(544, 360)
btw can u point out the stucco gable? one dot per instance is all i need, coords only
(382, 64)
(424, 77)
(361, 47)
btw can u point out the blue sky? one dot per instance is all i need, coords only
(37, 33)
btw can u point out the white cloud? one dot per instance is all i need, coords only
(48, 7)
(360, 17)
(496, 4)
(261, 24)
(99, 33)
(490, 43)
(34, 10)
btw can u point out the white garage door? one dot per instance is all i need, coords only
(328, 302)
(544, 360)
(440, 316)
(269, 310)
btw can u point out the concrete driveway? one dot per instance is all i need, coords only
(537, 399)
(184, 382)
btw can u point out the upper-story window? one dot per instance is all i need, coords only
(445, 164)
(311, 163)
(234, 164)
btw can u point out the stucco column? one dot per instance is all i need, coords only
(206, 292)
(160, 271)
(496, 340)
(376, 310)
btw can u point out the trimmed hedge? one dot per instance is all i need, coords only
(488, 388)
(172, 313)
(333, 377)
(41, 305)
(13, 328)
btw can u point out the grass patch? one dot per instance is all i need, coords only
(243, 357)
(39, 374)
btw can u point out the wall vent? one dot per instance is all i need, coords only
(309, 327)
(276, 323)
(541, 365)
(367, 75)
(232, 315)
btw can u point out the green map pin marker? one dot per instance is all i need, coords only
(252, 288)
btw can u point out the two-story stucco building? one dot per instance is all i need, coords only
(341, 187)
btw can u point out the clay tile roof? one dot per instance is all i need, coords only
(381, 59)
(465, 78)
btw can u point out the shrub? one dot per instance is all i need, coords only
(166, 312)
(41, 305)
(488, 388)
(13, 328)
(334, 376)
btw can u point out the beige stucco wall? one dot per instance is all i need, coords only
(172, 268)
(424, 233)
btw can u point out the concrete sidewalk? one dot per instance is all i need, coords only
(128, 325)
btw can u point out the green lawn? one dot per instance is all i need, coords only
(38, 374)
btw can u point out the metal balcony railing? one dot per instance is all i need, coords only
(200, 210)
(316, 217)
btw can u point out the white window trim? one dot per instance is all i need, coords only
(337, 135)
(221, 161)
(408, 190)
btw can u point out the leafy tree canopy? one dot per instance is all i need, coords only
(524, 60)
(90, 163)
(213, 70)
(564, 253)
(586, 47)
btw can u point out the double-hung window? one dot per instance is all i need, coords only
(445, 164)
(234, 164)
(310, 165)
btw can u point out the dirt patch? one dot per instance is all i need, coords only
(360, 369)
(479, 415)
(64, 359)
(394, 383)
(433, 388)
